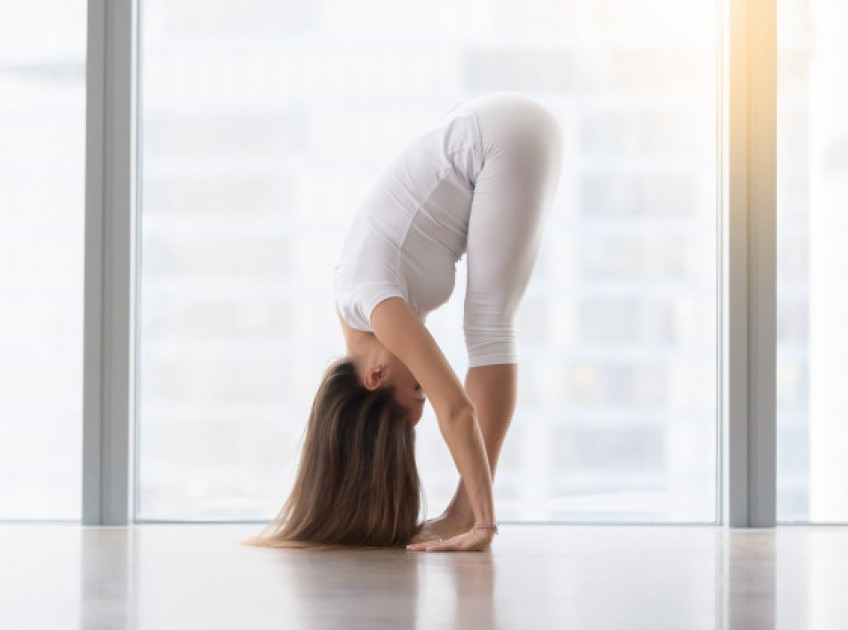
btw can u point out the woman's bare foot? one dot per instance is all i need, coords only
(445, 526)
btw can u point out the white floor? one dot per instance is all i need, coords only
(160, 577)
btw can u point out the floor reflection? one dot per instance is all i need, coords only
(162, 577)
(747, 580)
(343, 589)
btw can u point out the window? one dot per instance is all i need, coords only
(263, 125)
(42, 150)
(812, 197)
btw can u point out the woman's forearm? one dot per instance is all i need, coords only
(462, 433)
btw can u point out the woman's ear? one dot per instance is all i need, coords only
(374, 376)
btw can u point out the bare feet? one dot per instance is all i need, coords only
(445, 526)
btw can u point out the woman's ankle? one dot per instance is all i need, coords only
(459, 515)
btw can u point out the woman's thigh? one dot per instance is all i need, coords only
(522, 144)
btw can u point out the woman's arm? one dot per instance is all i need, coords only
(403, 334)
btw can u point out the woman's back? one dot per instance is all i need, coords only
(412, 227)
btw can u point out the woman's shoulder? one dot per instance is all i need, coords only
(357, 293)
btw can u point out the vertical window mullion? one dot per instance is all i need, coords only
(109, 261)
(749, 264)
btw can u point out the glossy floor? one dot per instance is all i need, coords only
(160, 577)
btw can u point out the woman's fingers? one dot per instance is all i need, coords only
(446, 545)
(424, 545)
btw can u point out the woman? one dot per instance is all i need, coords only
(477, 182)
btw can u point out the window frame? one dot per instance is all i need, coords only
(748, 237)
(111, 261)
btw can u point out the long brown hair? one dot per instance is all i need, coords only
(357, 482)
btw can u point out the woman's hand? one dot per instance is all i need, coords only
(474, 540)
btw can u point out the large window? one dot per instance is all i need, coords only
(42, 150)
(263, 125)
(812, 206)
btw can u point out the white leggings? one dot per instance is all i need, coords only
(522, 144)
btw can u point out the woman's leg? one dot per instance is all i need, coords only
(493, 389)
(522, 160)
(522, 155)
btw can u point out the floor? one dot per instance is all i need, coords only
(160, 577)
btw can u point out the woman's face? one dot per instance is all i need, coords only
(407, 390)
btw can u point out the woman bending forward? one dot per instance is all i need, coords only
(478, 182)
